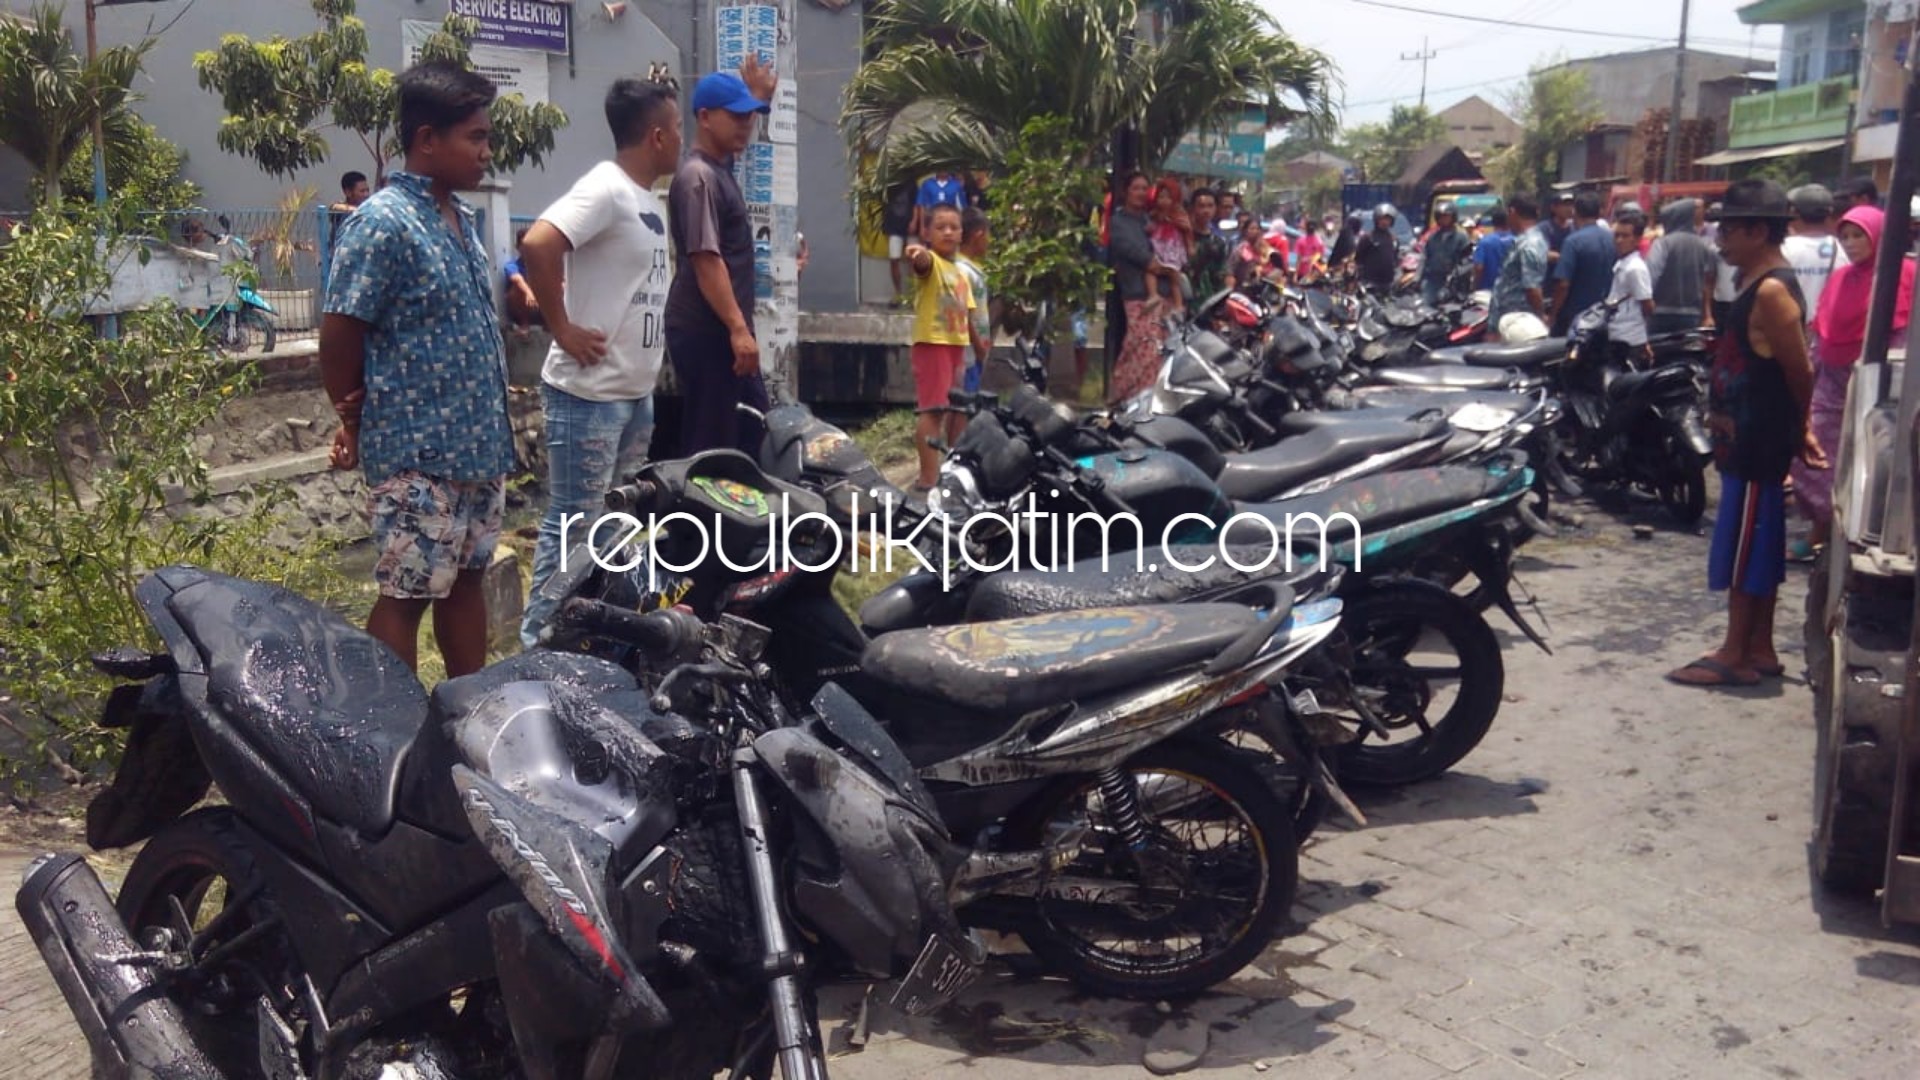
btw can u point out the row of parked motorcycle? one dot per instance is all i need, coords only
(645, 846)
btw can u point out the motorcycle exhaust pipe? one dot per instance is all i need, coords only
(110, 983)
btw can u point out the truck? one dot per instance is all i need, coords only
(1861, 650)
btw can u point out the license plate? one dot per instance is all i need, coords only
(940, 973)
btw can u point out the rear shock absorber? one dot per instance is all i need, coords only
(1121, 797)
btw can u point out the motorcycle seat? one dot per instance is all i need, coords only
(1019, 665)
(1515, 354)
(1377, 502)
(330, 709)
(1270, 471)
(1444, 377)
(1630, 384)
(1085, 584)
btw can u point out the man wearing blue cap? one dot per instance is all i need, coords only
(709, 316)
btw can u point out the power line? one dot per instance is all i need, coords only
(1534, 26)
(1437, 90)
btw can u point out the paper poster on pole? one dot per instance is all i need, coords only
(514, 71)
(769, 176)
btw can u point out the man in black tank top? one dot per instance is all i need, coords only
(1761, 386)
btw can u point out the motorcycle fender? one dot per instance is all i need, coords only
(160, 775)
(856, 730)
(880, 889)
(1693, 433)
(561, 868)
(254, 300)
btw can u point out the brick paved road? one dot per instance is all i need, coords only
(1613, 885)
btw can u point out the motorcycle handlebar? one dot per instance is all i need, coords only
(637, 497)
(659, 633)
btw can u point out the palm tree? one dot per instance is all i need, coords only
(50, 94)
(950, 83)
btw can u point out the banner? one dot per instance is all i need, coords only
(519, 24)
(1239, 153)
(769, 175)
(514, 71)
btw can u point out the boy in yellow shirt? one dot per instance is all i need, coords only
(943, 306)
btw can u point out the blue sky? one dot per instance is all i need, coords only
(1474, 58)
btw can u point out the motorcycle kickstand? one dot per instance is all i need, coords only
(793, 1034)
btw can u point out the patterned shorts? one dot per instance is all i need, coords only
(427, 529)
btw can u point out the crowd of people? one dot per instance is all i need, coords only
(413, 357)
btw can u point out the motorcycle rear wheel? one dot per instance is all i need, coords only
(200, 862)
(1387, 626)
(1224, 872)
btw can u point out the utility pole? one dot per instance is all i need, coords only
(1425, 54)
(1672, 171)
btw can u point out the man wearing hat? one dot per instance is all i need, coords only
(709, 315)
(1760, 389)
(1810, 245)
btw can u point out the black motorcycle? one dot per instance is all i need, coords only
(1124, 724)
(539, 870)
(1639, 423)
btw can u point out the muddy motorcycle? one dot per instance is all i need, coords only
(1138, 727)
(1414, 715)
(1640, 425)
(539, 870)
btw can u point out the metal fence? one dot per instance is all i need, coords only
(286, 248)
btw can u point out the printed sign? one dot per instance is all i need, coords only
(514, 71)
(1239, 153)
(519, 24)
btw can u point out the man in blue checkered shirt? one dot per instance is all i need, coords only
(411, 354)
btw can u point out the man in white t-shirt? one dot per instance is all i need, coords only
(1631, 296)
(1810, 245)
(599, 263)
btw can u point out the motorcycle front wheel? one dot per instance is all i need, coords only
(1204, 897)
(1427, 667)
(1683, 491)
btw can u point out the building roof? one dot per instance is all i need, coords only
(1476, 102)
(1744, 63)
(1764, 12)
(1429, 158)
(1320, 159)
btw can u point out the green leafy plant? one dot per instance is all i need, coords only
(99, 479)
(280, 92)
(276, 240)
(1044, 230)
(144, 170)
(951, 84)
(1555, 108)
(50, 94)
(1382, 150)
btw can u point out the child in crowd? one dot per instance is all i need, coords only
(943, 307)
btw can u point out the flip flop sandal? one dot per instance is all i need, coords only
(1723, 675)
(1771, 671)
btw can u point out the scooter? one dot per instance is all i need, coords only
(230, 325)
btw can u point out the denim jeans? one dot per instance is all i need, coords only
(1430, 292)
(589, 444)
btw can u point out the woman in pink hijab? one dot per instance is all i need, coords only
(1840, 327)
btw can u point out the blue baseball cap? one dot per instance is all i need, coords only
(725, 90)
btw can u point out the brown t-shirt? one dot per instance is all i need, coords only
(707, 214)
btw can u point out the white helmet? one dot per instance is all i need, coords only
(1521, 326)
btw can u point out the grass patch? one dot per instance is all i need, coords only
(888, 439)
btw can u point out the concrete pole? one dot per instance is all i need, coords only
(1672, 171)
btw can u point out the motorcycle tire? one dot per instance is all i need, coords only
(1684, 492)
(1394, 619)
(1263, 877)
(269, 333)
(201, 861)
